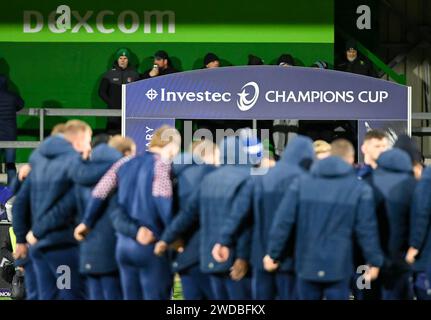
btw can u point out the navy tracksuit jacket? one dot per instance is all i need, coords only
(97, 251)
(420, 235)
(328, 208)
(144, 199)
(45, 204)
(195, 284)
(210, 205)
(267, 192)
(394, 185)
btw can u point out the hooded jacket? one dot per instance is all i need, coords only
(187, 178)
(10, 104)
(217, 197)
(144, 196)
(97, 251)
(358, 66)
(329, 208)
(46, 202)
(267, 192)
(394, 185)
(420, 226)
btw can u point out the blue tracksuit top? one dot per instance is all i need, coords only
(98, 248)
(144, 195)
(328, 209)
(187, 178)
(420, 226)
(217, 197)
(394, 185)
(45, 202)
(267, 192)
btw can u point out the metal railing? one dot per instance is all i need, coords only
(421, 131)
(54, 112)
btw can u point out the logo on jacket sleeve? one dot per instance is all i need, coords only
(245, 104)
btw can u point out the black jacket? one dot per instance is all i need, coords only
(162, 72)
(10, 103)
(110, 86)
(358, 66)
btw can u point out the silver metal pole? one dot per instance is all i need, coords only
(41, 124)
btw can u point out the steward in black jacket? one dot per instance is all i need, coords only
(110, 86)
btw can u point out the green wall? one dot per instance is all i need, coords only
(67, 74)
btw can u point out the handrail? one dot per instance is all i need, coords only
(70, 112)
(421, 116)
(19, 144)
(53, 112)
(82, 112)
(117, 113)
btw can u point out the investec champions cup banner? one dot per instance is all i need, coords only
(261, 92)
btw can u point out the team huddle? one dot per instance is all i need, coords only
(231, 224)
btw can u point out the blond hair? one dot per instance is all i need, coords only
(321, 146)
(122, 144)
(163, 136)
(342, 148)
(73, 127)
(58, 128)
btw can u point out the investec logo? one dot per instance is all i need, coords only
(105, 21)
(4, 293)
(247, 98)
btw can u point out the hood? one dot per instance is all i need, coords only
(55, 146)
(395, 160)
(88, 173)
(426, 174)
(409, 145)
(331, 167)
(232, 151)
(3, 83)
(298, 151)
(182, 162)
(103, 153)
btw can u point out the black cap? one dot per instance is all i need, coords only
(161, 55)
(286, 59)
(404, 142)
(254, 61)
(351, 44)
(210, 57)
